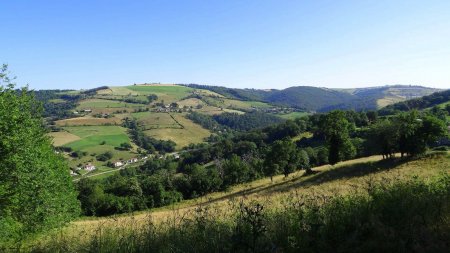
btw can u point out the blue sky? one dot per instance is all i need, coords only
(253, 44)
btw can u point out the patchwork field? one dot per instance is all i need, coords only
(190, 133)
(97, 135)
(95, 140)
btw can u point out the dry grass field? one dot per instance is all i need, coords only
(183, 134)
(61, 138)
(344, 178)
(89, 121)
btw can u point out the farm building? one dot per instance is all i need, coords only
(118, 164)
(132, 160)
(89, 167)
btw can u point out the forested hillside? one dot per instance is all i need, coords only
(436, 99)
(323, 99)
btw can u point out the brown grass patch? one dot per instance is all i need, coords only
(61, 138)
(89, 121)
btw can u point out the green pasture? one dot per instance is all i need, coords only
(169, 93)
(291, 115)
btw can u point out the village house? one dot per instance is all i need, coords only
(72, 173)
(132, 160)
(89, 167)
(118, 164)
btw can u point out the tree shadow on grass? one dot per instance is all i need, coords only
(319, 177)
(338, 173)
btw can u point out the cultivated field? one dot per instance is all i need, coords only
(92, 136)
(183, 134)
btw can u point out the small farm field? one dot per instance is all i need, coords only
(190, 133)
(63, 137)
(155, 120)
(92, 136)
(291, 115)
(168, 93)
(88, 121)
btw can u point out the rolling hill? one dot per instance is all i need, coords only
(87, 124)
(324, 99)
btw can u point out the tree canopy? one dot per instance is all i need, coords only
(36, 191)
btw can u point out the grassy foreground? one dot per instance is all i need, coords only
(365, 205)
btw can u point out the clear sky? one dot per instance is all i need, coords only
(253, 44)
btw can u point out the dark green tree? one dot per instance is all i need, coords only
(336, 129)
(36, 191)
(384, 137)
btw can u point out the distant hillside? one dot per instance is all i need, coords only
(435, 99)
(310, 98)
(386, 95)
(323, 99)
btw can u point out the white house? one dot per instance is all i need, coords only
(132, 160)
(89, 167)
(72, 173)
(176, 156)
(118, 164)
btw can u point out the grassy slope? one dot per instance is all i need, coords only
(183, 133)
(167, 93)
(344, 178)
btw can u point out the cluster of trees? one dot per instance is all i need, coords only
(204, 120)
(92, 92)
(247, 121)
(146, 142)
(240, 94)
(417, 103)
(36, 191)
(61, 109)
(408, 133)
(104, 156)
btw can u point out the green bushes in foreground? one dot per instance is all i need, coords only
(401, 216)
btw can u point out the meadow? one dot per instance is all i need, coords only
(88, 121)
(261, 216)
(152, 120)
(169, 93)
(183, 133)
(91, 136)
(292, 115)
